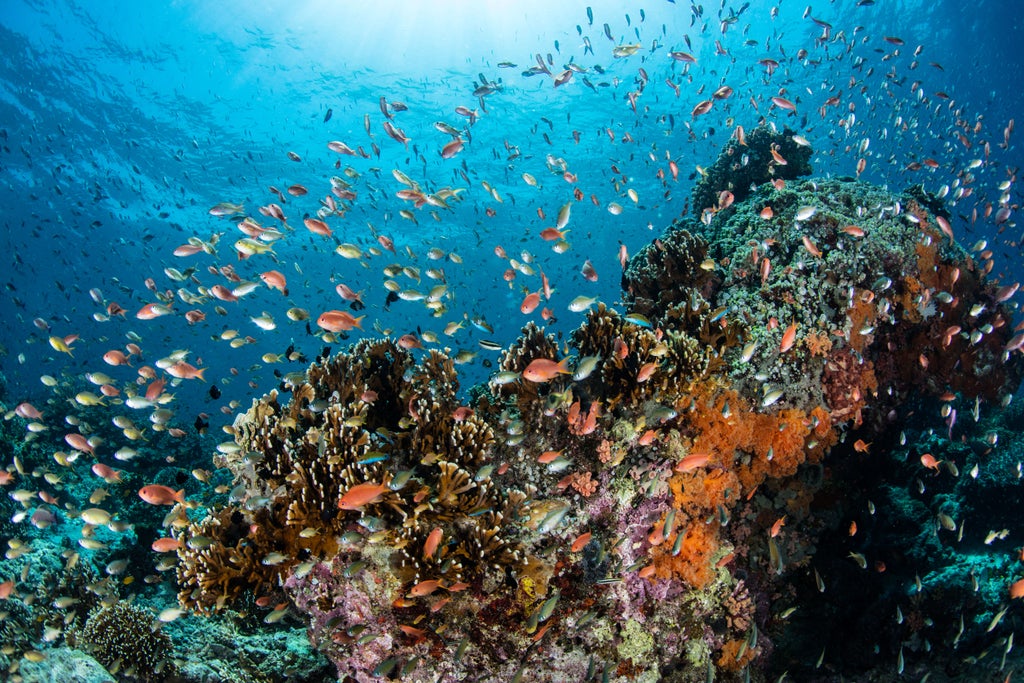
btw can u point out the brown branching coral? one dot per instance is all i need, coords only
(303, 465)
(526, 396)
(635, 362)
(663, 273)
(740, 166)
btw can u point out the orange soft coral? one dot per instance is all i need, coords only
(701, 491)
(693, 563)
(767, 444)
(731, 660)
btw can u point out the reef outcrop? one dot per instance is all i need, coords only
(638, 511)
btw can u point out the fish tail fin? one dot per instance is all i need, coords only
(359, 322)
(563, 366)
(199, 374)
(179, 496)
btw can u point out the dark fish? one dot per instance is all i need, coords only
(590, 15)
(328, 115)
(201, 425)
(214, 392)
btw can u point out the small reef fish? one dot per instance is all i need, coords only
(362, 494)
(544, 369)
(155, 494)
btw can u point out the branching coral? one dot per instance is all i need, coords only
(665, 272)
(635, 362)
(751, 162)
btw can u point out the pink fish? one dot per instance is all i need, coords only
(362, 494)
(544, 369)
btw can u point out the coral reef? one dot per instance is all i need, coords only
(634, 508)
(751, 161)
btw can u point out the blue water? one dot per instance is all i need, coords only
(122, 128)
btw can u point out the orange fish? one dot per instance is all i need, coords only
(155, 388)
(788, 338)
(853, 231)
(692, 462)
(183, 370)
(581, 542)
(530, 303)
(409, 341)
(929, 461)
(783, 103)
(1017, 589)
(152, 310)
(462, 413)
(432, 543)
(346, 293)
(362, 494)
(701, 108)
(946, 228)
(165, 545)
(188, 250)
(552, 234)
(275, 280)
(27, 411)
(647, 438)
(317, 226)
(223, 293)
(106, 473)
(645, 372)
(811, 247)
(452, 148)
(424, 588)
(548, 456)
(546, 286)
(544, 369)
(777, 527)
(155, 494)
(78, 442)
(337, 321)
